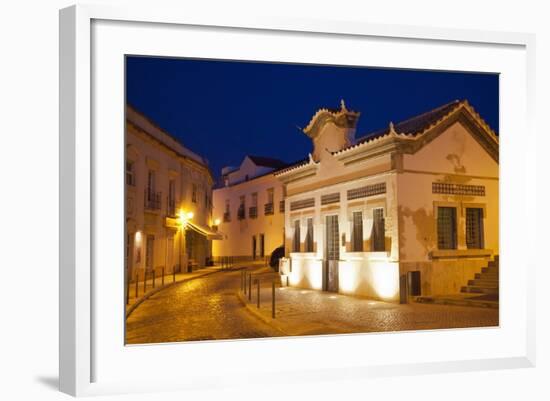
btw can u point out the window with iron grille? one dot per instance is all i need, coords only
(446, 227)
(309, 236)
(457, 189)
(333, 238)
(474, 228)
(378, 230)
(296, 239)
(366, 191)
(357, 232)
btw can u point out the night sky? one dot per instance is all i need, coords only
(226, 110)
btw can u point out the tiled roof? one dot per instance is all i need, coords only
(417, 124)
(267, 162)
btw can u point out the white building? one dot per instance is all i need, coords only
(420, 196)
(249, 209)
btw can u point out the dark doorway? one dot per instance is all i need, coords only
(253, 247)
(262, 245)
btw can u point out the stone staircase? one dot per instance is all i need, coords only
(482, 291)
(485, 282)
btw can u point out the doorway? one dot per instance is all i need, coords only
(262, 245)
(332, 254)
(254, 247)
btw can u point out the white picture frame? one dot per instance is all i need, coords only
(84, 341)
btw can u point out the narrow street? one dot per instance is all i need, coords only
(201, 309)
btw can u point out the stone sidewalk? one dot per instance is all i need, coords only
(309, 312)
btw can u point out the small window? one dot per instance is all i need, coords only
(309, 236)
(446, 227)
(357, 232)
(474, 228)
(378, 231)
(296, 239)
(254, 199)
(130, 175)
(270, 195)
(227, 204)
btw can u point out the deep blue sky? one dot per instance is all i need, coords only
(225, 110)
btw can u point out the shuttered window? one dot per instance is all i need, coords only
(378, 230)
(296, 239)
(357, 232)
(309, 236)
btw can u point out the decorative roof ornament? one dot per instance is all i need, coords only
(392, 129)
(343, 105)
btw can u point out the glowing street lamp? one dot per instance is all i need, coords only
(184, 218)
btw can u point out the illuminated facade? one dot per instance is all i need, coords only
(168, 201)
(420, 196)
(249, 209)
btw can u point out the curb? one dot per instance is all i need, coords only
(158, 289)
(259, 315)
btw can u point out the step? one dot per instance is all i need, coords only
(496, 258)
(490, 270)
(493, 264)
(483, 283)
(479, 290)
(486, 276)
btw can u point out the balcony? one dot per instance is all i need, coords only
(253, 212)
(268, 209)
(152, 199)
(282, 206)
(226, 217)
(241, 214)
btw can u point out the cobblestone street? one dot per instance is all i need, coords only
(212, 308)
(202, 309)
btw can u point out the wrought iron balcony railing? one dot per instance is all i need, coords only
(253, 212)
(152, 199)
(226, 217)
(268, 209)
(282, 206)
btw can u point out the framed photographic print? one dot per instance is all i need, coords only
(335, 198)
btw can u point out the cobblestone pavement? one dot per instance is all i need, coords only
(202, 309)
(208, 308)
(306, 312)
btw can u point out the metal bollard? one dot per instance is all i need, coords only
(273, 300)
(137, 282)
(163, 276)
(154, 278)
(144, 282)
(174, 274)
(258, 294)
(250, 287)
